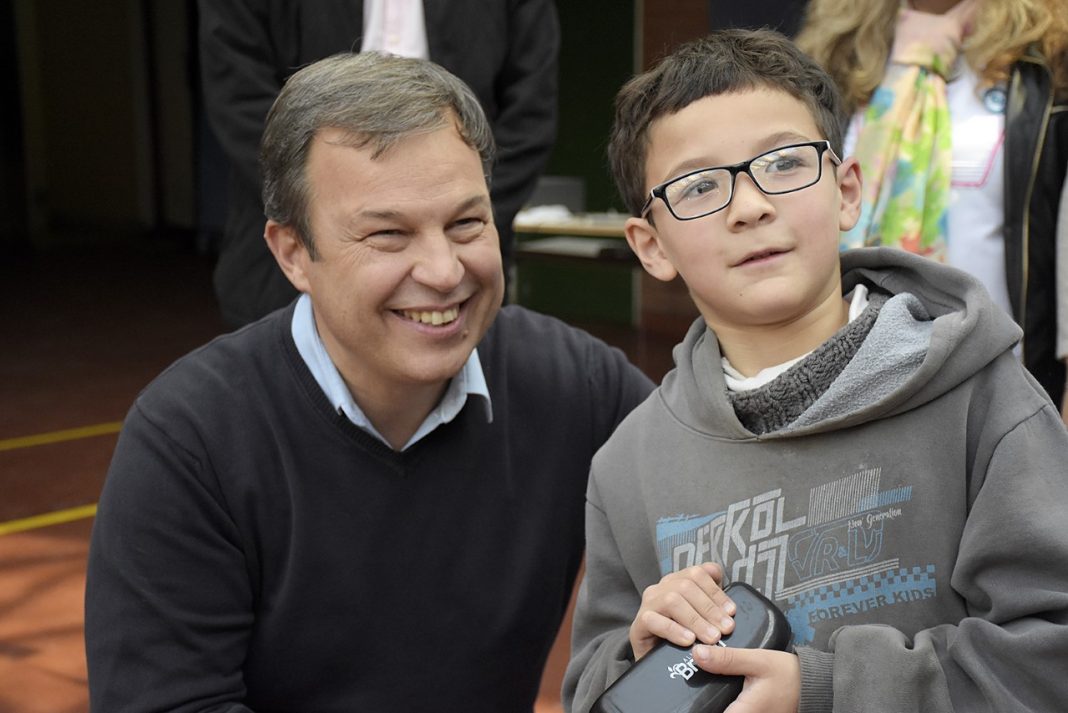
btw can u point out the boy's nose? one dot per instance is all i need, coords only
(748, 204)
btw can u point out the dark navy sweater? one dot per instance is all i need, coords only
(254, 550)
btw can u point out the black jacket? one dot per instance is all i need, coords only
(505, 50)
(1036, 158)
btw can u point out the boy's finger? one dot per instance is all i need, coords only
(709, 601)
(729, 661)
(708, 576)
(664, 627)
(714, 612)
(714, 570)
(690, 606)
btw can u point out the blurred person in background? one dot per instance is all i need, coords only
(506, 51)
(960, 123)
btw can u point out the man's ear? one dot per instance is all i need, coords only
(850, 185)
(289, 252)
(644, 240)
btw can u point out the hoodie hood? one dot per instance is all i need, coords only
(940, 325)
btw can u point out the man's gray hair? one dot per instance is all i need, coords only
(377, 100)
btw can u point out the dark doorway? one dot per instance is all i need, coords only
(782, 15)
(13, 215)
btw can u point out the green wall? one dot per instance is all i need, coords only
(596, 58)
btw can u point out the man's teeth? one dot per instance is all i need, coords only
(435, 318)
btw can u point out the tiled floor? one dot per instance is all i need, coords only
(42, 664)
(81, 331)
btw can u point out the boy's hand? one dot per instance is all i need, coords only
(772, 678)
(684, 607)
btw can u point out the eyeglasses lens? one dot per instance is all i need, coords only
(779, 171)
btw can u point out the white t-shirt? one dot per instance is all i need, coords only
(976, 215)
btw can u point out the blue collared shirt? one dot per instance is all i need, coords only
(469, 382)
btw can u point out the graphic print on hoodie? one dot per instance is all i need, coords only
(832, 546)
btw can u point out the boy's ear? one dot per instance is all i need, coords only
(644, 240)
(850, 183)
(289, 252)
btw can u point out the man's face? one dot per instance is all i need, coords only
(763, 260)
(408, 276)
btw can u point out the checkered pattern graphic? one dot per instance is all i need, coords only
(866, 586)
(837, 597)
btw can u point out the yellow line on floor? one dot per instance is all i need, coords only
(50, 518)
(70, 434)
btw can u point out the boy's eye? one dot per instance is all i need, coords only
(782, 162)
(699, 187)
(786, 163)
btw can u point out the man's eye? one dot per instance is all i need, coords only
(390, 239)
(469, 227)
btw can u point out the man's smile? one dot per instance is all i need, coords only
(432, 317)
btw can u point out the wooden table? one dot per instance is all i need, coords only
(592, 225)
(597, 241)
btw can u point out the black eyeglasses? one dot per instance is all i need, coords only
(708, 190)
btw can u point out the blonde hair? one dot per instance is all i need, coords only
(852, 40)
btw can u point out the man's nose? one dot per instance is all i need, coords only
(438, 264)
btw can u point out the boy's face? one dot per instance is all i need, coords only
(764, 260)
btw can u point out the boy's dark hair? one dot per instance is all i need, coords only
(724, 62)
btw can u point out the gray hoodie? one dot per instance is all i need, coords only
(911, 522)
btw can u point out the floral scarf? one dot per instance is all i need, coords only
(904, 143)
